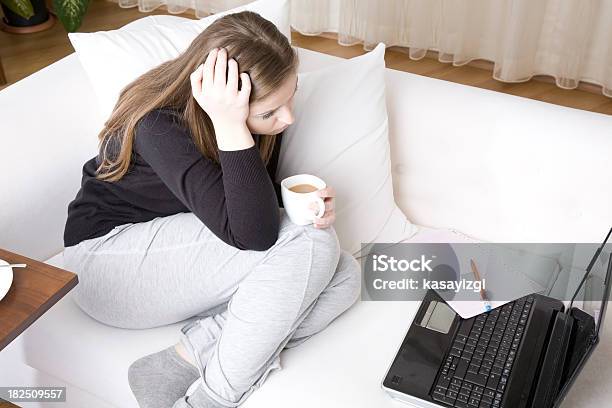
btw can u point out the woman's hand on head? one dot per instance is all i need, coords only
(328, 194)
(220, 98)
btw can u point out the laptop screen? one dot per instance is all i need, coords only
(593, 295)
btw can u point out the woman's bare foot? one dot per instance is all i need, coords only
(181, 351)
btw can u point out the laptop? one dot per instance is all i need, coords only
(526, 353)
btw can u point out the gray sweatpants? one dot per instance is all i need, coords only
(243, 307)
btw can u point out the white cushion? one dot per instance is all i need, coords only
(341, 134)
(113, 59)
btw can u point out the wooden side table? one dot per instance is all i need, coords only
(34, 290)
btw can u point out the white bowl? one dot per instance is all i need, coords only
(6, 278)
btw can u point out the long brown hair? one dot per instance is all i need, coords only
(255, 43)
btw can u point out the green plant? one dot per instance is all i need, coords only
(69, 12)
(22, 7)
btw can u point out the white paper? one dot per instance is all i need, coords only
(511, 271)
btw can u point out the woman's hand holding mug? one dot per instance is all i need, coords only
(227, 107)
(328, 194)
(307, 199)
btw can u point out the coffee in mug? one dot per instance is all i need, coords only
(303, 188)
(298, 193)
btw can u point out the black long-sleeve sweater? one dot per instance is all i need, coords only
(237, 200)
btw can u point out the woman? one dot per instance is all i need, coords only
(178, 218)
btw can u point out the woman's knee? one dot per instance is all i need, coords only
(323, 238)
(325, 247)
(317, 248)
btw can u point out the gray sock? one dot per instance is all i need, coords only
(199, 399)
(159, 379)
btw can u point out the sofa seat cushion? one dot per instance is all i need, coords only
(70, 345)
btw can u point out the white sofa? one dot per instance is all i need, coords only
(494, 166)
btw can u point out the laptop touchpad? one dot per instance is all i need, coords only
(438, 317)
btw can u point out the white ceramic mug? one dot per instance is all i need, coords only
(297, 204)
(6, 278)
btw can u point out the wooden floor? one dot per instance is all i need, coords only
(24, 54)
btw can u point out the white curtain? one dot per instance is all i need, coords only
(202, 8)
(570, 40)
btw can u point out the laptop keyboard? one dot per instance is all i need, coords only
(477, 367)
